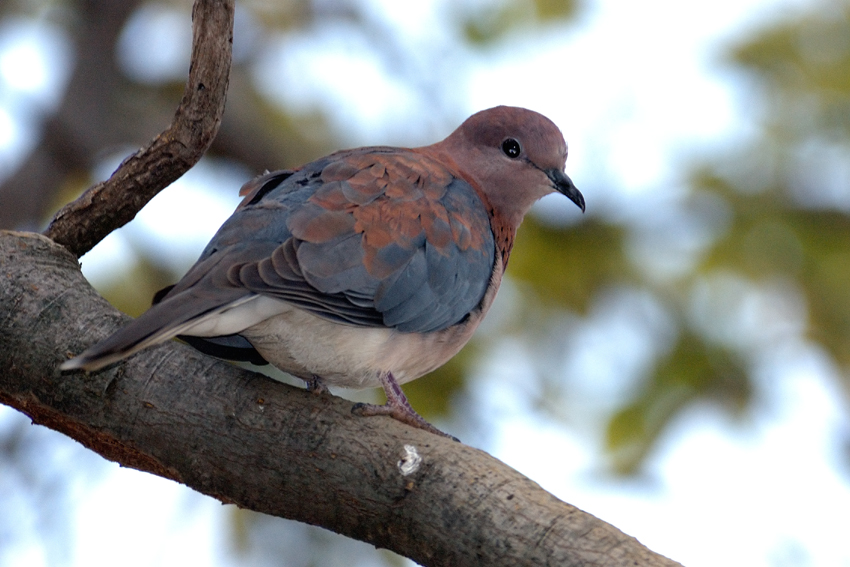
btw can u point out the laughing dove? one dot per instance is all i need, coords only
(369, 267)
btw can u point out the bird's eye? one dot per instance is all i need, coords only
(511, 148)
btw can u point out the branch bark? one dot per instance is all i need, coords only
(245, 439)
(113, 203)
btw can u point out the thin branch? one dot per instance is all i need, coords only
(113, 203)
(245, 439)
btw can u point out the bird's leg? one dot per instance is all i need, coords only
(315, 385)
(397, 407)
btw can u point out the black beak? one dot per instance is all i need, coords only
(564, 185)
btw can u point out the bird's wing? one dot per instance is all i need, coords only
(375, 237)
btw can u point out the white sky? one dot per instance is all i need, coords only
(634, 86)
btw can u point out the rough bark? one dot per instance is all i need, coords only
(111, 204)
(245, 439)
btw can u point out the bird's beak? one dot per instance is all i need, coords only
(564, 185)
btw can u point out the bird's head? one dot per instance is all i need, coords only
(515, 156)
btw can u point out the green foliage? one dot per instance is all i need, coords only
(781, 228)
(802, 65)
(489, 24)
(695, 371)
(566, 266)
(782, 225)
(132, 291)
(771, 237)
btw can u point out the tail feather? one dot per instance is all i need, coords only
(175, 316)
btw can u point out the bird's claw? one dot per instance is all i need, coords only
(403, 414)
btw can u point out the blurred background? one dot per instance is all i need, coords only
(675, 361)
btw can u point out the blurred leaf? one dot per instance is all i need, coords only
(788, 201)
(567, 266)
(132, 292)
(555, 9)
(804, 66)
(770, 237)
(491, 24)
(694, 370)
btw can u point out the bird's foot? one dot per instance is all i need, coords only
(397, 407)
(316, 386)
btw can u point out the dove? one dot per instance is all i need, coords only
(369, 267)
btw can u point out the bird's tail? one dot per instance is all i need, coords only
(174, 316)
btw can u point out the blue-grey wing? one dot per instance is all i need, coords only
(376, 237)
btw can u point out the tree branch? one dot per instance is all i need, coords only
(113, 203)
(245, 439)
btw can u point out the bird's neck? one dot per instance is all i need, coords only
(504, 234)
(503, 227)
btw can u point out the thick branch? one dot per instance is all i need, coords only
(245, 439)
(113, 203)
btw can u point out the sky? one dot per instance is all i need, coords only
(717, 491)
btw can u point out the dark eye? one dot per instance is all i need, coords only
(511, 148)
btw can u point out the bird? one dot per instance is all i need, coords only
(367, 268)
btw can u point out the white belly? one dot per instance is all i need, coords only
(303, 344)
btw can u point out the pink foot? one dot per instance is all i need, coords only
(397, 407)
